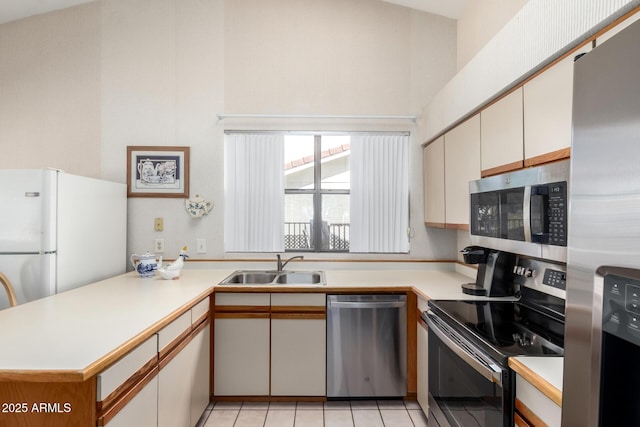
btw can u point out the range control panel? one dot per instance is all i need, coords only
(555, 278)
(621, 307)
(543, 276)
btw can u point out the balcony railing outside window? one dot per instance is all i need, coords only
(299, 236)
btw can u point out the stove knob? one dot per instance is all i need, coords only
(523, 271)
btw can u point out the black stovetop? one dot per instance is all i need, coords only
(505, 328)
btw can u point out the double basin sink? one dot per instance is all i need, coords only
(274, 278)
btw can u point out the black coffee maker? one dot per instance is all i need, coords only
(495, 272)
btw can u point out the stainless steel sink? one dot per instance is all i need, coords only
(301, 278)
(251, 278)
(256, 277)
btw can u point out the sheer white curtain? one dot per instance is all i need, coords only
(379, 193)
(254, 193)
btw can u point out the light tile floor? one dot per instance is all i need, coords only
(355, 413)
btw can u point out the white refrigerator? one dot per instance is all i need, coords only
(59, 231)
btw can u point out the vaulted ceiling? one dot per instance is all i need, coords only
(11, 10)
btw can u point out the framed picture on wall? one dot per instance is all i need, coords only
(157, 171)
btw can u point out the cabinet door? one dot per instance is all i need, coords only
(200, 352)
(423, 367)
(298, 357)
(433, 176)
(501, 135)
(534, 406)
(241, 356)
(462, 164)
(548, 103)
(141, 411)
(174, 390)
(615, 30)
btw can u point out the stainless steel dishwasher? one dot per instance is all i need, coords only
(366, 346)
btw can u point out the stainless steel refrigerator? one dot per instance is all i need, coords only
(59, 231)
(602, 331)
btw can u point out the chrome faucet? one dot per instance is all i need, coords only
(281, 264)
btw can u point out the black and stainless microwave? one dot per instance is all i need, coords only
(523, 212)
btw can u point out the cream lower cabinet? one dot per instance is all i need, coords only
(533, 408)
(422, 348)
(174, 391)
(127, 391)
(241, 344)
(200, 364)
(298, 344)
(162, 382)
(270, 344)
(183, 382)
(142, 410)
(183, 379)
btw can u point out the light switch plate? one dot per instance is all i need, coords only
(201, 246)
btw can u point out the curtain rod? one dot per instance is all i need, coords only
(313, 116)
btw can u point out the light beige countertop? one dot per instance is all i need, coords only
(74, 335)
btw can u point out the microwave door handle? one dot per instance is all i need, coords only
(491, 374)
(526, 213)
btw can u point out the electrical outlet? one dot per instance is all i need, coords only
(201, 246)
(159, 246)
(158, 224)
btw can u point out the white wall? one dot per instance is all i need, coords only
(156, 72)
(480, 21)
(50, 91)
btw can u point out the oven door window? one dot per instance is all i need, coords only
(465, 397)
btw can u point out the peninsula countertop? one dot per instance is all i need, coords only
(77, 333)
(74, 335)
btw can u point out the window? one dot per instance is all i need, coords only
(317, 187)
(322, 192)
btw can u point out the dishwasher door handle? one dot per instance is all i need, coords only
(366, 304)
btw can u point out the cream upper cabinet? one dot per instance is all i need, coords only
(462, 164)
(501, 136)
(548, 103)
(615, 30)
(433, 175)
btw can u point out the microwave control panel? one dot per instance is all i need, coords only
(557, 211)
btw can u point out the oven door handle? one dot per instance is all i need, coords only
(492, 372)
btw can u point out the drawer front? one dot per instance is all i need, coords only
(239, 299)
(199, 310)
(173, 330)
(298, 299)
(112, 377)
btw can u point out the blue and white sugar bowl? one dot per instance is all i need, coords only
(145, 264)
